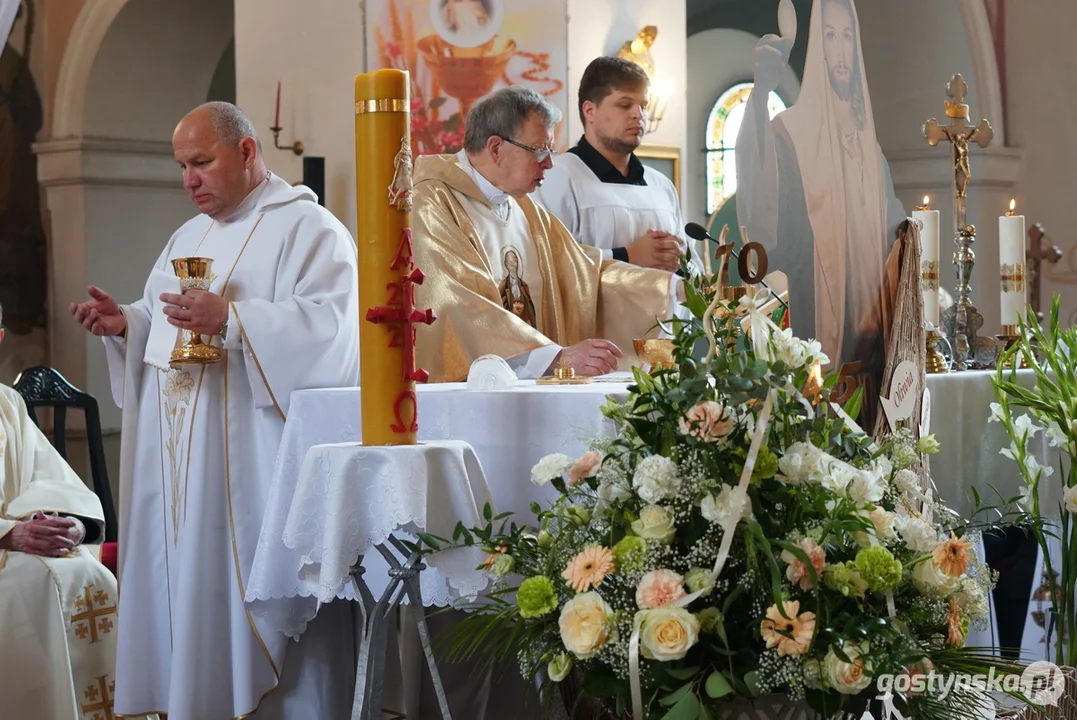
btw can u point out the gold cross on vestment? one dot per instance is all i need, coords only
(959, 134)
(92, 608)
(100, 700)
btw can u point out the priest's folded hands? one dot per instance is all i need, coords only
(45, 535)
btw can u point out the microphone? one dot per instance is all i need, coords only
(698, 232)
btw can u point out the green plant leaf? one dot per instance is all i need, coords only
(683, 673)
(677, 695)
(687, 709)
(717, 686)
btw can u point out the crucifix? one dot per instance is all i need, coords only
(1036, 255)
(963, 320)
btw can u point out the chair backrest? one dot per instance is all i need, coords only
(44, 387)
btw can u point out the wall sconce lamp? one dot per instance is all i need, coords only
(657, 99)
(638, 50)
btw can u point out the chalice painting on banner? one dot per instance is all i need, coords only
(457, 51)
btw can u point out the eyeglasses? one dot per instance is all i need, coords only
(540, 154)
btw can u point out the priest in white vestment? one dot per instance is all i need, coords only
(601, 191)
(199, 442)
(57, 602)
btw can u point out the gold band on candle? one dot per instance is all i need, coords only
(380, 105)
(1013, 277)
(1011, 330)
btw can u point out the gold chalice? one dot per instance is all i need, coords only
(194, 274)
(466, 74)
(655, 352)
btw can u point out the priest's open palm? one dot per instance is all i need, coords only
(196, 310)
(590, 357)
(100, 314)
(46, 536)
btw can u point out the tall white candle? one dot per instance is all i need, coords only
(929, 260)
(1011, 257)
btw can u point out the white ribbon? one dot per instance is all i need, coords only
(740, 493)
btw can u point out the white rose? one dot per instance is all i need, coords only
(883, 520)
(729, 508)
(655, 523)
(585, 624)
(918, 535)
(848, 678)
(667, 633)
(559, 668)
(803, 462)
(929, 578)
(550, 467)
(656, 478)
(1070, 498)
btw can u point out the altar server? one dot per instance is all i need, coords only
(601, 191)
(506, 277)
(199, 442)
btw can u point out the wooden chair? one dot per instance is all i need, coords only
(44, 387)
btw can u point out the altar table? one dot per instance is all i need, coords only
(511, 430)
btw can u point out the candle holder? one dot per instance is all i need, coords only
(934, 362)
(296, 147)
(1010, 336)
(962, 321)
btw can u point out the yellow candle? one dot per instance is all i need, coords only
(386, 273)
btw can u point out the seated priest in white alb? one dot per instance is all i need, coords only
(57, 602)
(507, 278)
(601, 191)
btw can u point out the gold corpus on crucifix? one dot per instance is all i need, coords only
(962, 320)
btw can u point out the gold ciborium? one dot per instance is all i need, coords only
(466, 73)
(194, 274)
(655, 352)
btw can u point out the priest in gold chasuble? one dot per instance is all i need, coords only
(505, 277)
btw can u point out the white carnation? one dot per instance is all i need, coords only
(803, 462)
(656, 478)
(867, 487)
(729, 508)
(550, 467)
(918, 535)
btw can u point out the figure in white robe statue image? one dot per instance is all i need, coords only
(57, 602)
(199, 441)
(815, 190)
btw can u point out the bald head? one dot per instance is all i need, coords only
(217, 148)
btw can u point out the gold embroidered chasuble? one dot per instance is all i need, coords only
(582, 296)
(57, 615)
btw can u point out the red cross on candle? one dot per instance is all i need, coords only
(400, 311)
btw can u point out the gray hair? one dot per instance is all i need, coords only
(504, 112)
(230, 123)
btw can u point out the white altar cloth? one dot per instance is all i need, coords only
(348, 498)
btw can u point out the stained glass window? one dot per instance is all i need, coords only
(723, 125)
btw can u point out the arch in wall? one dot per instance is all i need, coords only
(717, 59)
(130, 71)
(985, 64)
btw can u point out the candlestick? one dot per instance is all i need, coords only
(276, 116)
(1011, 255)
(387, 275)
(929, 260)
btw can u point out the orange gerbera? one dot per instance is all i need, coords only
(588, 568)
(952, 556)
(792, 635)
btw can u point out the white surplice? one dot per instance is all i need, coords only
(199, 443)
(612, 215)
(57, 615)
